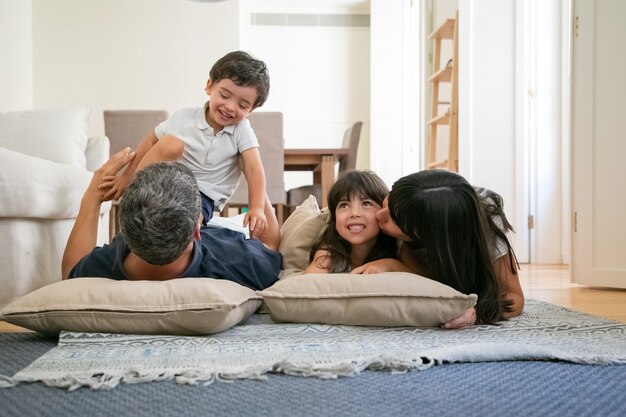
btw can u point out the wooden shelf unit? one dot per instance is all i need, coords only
(447, 73)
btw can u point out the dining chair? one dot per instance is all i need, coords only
(128, 127)
(351, 138)
(268, 127)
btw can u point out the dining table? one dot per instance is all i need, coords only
(320, 161)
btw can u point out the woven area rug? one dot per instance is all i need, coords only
(543, 332)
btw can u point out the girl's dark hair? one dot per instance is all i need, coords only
(244, 70)
(453, 229)
(366, 185)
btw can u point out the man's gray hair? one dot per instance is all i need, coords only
(159, 211)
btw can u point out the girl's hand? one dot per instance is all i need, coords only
(380, 265)
(466, 319)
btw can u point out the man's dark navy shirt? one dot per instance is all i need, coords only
(220, 253)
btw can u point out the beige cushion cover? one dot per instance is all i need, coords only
(384, 299)
(298, 232)
(184, 306)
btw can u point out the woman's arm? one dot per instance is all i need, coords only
(510, 288)
(509, 285)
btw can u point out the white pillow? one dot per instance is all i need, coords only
(55, 135)
(39, 188)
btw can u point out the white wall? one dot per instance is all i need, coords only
(490, 143)
(487, 95)
(319, 74)
(546, 241)
(492, 135)
(397, 77)
(127, 54)
(141, 54)
(16, 65)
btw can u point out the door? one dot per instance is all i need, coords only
(599, 143)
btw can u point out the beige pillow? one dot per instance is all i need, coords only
(384, 299)
(184, 306)
(298, 232)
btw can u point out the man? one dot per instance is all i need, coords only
(161, 235)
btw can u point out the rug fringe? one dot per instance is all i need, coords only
(352, 368)
(7, 381)
(348, 368)
(107, 381)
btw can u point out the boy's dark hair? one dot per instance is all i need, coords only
(245, 71)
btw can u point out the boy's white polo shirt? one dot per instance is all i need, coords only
(214, 159)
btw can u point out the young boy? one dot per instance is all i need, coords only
(215, 140)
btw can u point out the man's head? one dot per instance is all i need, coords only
(159, 212)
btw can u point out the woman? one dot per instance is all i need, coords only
(454, 234)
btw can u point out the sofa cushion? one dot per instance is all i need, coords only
(183, 306)
(33, 187)
(55, 135)
(383, 299)
(298, 232)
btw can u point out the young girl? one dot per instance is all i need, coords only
(352, 236)
(455, 234)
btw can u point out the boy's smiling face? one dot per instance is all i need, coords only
(230, 103)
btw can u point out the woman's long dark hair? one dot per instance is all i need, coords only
(366, 185)
(444, 216)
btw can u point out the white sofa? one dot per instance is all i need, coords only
(40, 197)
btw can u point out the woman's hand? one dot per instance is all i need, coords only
(466, 319)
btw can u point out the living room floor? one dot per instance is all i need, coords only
(549, 283)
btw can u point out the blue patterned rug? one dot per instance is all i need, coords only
(258, 347)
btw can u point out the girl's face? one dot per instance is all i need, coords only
(386, 223)
(230, 103)
(355, 220)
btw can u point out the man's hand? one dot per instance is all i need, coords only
(95, 190)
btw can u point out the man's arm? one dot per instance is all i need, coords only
(84, 234)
